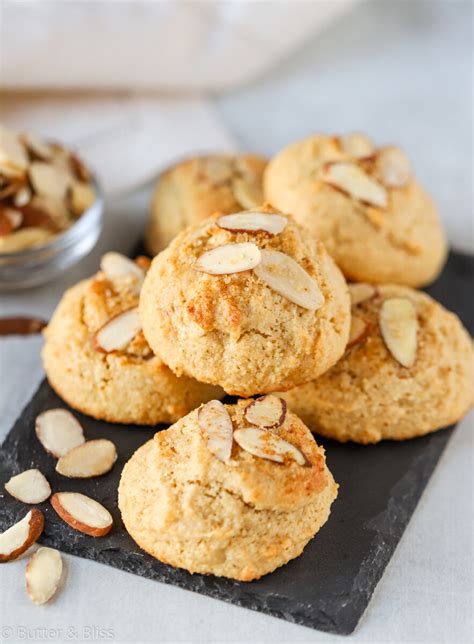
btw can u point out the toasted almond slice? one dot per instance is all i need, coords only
(214, 419)
(357, 145)
(12, 152)
(360, 329)
(231, 258)
(30, 486)
(393, 166)
(285, 276)
(37, 147)
(352, 180)
(58, 431)
(81, 197)
(265, 444)
(10, 220)
(399, 328)
(43, 574)
(253, 222)
(49, 180)
(117, 332)
(21, 535)
(361, 292)
(267, 412)
(92, 458)
(82, 513)
(22, 197)
(247, 193)
(116, 267)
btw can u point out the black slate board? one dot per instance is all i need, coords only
(331, 584)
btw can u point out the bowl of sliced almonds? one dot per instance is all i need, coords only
(51, 209)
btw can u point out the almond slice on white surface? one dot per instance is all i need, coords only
(58, 431)
(247, 193)
(393, 167)
(214, 419)
(352, 180)
(31, 486)
(357, 145)
(253, 222)
(82, 513)
(92, 458)
(361, 292)
(21, 535)
(43, 574)
(265, 444)
(399, 328)
(49, 180)
(285, 276)
(117, 332)
(267, 412)
(360, 329)
(231, 258)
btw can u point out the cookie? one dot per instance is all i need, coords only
(247, 301)
(364, 204)
(408, 370)
(237, 514)
(97, 360)
(199, 187)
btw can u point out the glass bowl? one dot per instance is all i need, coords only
(33, 266)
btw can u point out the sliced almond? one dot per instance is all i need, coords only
(20, 536)
(92, 458)
(357, 145)
(247, 193)
(393, 166)
(49, 180)
(58, 431)
(117, 332)
(253, 222)
(399, 328)
(22, 197)
(360, 329)
(37, 148)
(82, 513)
(117, 267)
(267, 412)
(31, 486)
(231, 258)
(361, 292)
(81, 197)
(214, 419)
(265, 444)
(10, 220)
(80, 170)
(285, 276)
(352, 180)
(43, 574)
(12, 152)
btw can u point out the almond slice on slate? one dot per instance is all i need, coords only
(352, 180)
(82, 513)
(253, 222)
(267, 412)
(58, 431)
(360, 329)
(247, 193)
(214, 419)
(231, 258)
(31, 486)
(265, 444)
(393, 166)
(399, 328)
(117, 332)
(361, 292)
(357, 145)
(285, 276)
(92, 458)
(20, 536)
(43, 574)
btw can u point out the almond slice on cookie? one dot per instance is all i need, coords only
(58, 431)
(82, 513)
(117, 332)
(353, 181)
(43, 574)
(357, 145)
(285, 276)
(215, 420)
(92, 458)
(265, 444)
(117, 266)
(21, 535)
(360, 329)
(253, 222)
(361, 292)
(31, 486)
(247, 193)
(267, 412)
(228, 259)
(393, 166)
(399, 329)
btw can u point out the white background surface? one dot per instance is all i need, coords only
(403, 72)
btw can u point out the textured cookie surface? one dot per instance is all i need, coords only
(364, 204)
(127, 386)
(185, 507)
(369, 396)
(234, 329)
(199, 187)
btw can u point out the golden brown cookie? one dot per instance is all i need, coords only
(408, 370)
(364, 204)
(226, 511)
(98, 361)
(199, 187)
(247, 301)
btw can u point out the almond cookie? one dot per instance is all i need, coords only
(197, 188)
(97, 360)
(217, 494)
(365, 205)
(408, 370)
(247, 301)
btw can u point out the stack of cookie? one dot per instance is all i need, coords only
(253, 301)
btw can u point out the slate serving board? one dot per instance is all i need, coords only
(330, 585)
